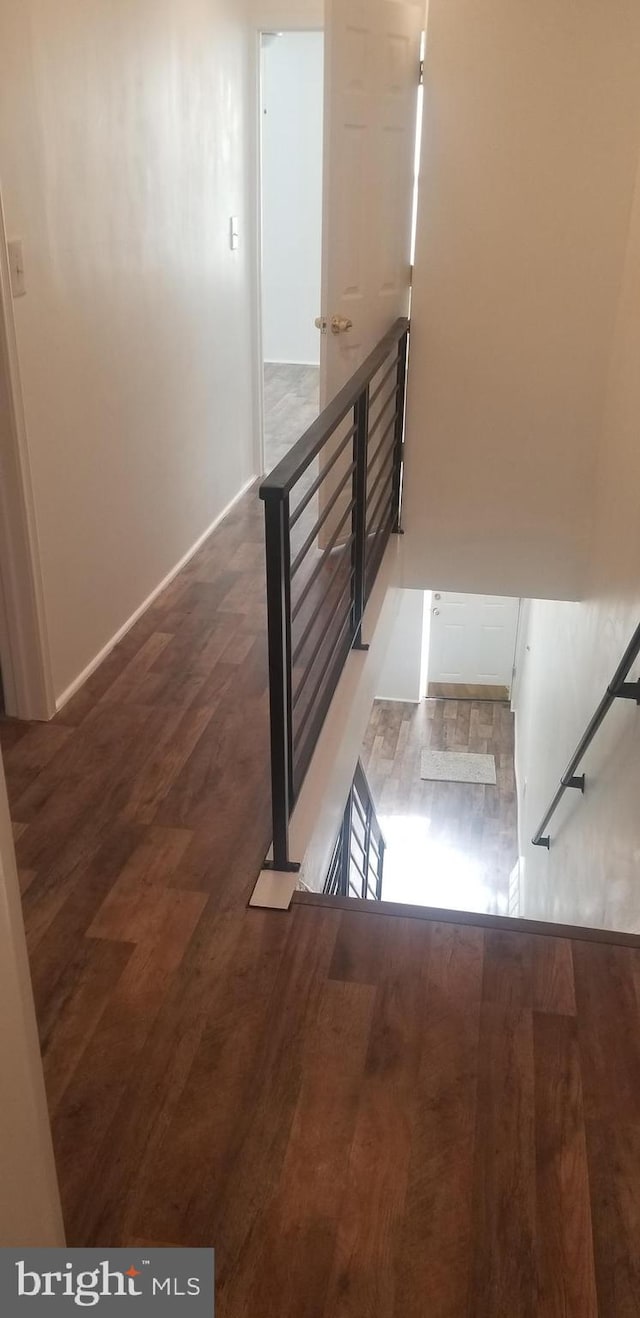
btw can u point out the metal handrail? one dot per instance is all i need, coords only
(618, 689)
(304, 669)
(292, 466)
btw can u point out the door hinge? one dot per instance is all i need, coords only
(421, 74)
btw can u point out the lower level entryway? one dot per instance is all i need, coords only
(448, 843)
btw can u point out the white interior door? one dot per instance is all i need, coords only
(473, 639)
(372, 64)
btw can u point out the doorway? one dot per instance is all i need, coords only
(438, 753)
(24, 656)
(292, 95)
(470, 646)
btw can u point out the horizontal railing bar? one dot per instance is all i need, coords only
(361, 844)
(613, 690)
(380, 386)
(309, 668)
(313, 534)
(281, 480)
(318, 568)
(304, 752)
(385, 470)
(381, 444)
(363, 822)
(323, 673)
(380, 542)
(371, 526)
(377, 553)
(361, 810)
(392, 398)
(304, 503)
(360, 871)
(316, 614)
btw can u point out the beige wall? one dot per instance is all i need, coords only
(29, 1204)
(274, 14)
(532, 114)
(125, 135)
(590, 874)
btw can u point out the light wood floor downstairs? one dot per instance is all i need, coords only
(368, 1116)
(449, 844)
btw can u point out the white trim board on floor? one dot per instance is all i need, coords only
(281, 361)
(166, 581)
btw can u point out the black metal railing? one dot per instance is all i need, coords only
(618, 689)
(330, 507)
(357, 863)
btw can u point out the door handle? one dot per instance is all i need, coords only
(321, 323)
(436, 613)
(340, 324)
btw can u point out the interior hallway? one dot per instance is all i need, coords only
(291, 403)
(366, 1115)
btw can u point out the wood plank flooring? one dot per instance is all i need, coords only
(369, 1116)
(448, 844)
(291, 403)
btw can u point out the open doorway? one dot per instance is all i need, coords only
(438, 754)
(27, 689)
(292, 94)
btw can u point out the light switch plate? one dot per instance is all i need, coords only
(16, 267)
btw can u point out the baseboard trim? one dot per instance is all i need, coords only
(282, 361)
(506, 923)
(82, 677)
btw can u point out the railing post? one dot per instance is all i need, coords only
(399, 429)
(359, 518)
(278, 556)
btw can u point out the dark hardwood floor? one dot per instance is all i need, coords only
(369, 1116)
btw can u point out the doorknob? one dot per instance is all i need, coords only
(436, 613)
(321, 323)
(340, 324)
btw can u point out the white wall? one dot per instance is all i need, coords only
(292, 113)
(29, 1204)
(125, 135)
(402, 672)
(532, 116)
(590, 875)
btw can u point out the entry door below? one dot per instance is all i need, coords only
(472, 644)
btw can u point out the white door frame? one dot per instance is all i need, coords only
(268, 18)
(30, 1211)
(24, 645)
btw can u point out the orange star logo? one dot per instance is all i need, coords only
(132, 1272)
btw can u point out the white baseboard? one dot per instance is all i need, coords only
(283, 361)
(399, 700)
(79, 681)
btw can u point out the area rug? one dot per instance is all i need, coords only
(458, 767)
